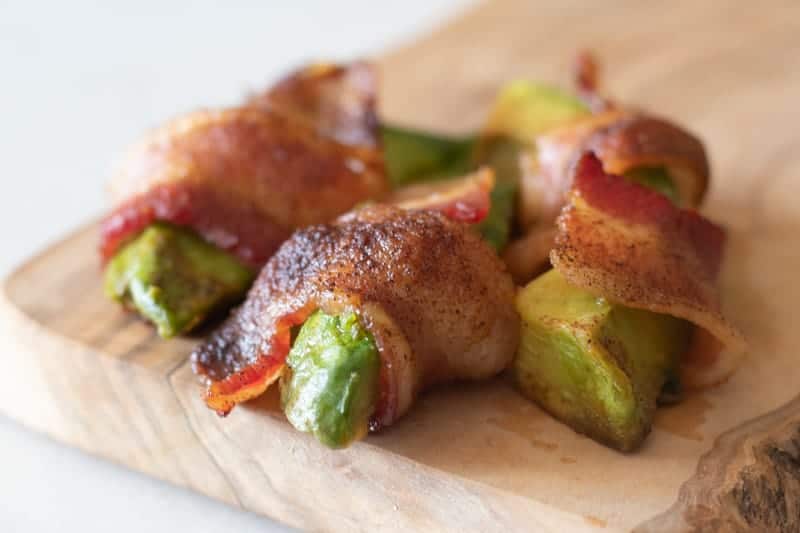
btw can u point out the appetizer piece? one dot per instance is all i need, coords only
(239, 181)
(390, 301)
(628, 142)
(634, 247)
(606, 330)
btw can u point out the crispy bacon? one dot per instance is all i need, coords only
(623, 140)
(465, 199)
(631, 245)
(435, 297)
(224, 389)
(644, 141)
(339, 100)
(246, 177)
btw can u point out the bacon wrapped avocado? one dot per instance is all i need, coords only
(211, 195)
(532, 135)
(611, 326)
(389, 300)
(630, 143)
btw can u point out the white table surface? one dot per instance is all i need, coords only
(79, 81)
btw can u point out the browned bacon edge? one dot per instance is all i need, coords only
(339, 100)
(222, 394)
(231, 226)
(244, 178)
(465, 199)
(623, 140)
(631, 245)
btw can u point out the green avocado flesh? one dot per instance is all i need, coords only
(496, 227)
(596, 366)
(502, 155)
(656, 178)
(331, 386)
(414, 157)
(174, 278)
(526, 109)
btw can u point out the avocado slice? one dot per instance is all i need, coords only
(597, 366)
(525, 109)
(174, 278)
(413, 156)
(331, 384)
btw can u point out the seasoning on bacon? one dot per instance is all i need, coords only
(244, 178)
(339, 100)
(631, 245)
(623, 141)
(434, 296)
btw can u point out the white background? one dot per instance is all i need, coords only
(78, 82)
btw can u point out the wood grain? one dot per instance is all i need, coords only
(750, 480)
(480, 457)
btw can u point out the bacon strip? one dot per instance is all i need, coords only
(225, 389)
(623, 140)
(338, 100)
(435, 297)
(643, 141)
(246, 177)
(631, 245)
(465, 199)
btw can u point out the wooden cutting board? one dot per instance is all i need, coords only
(480, 457)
